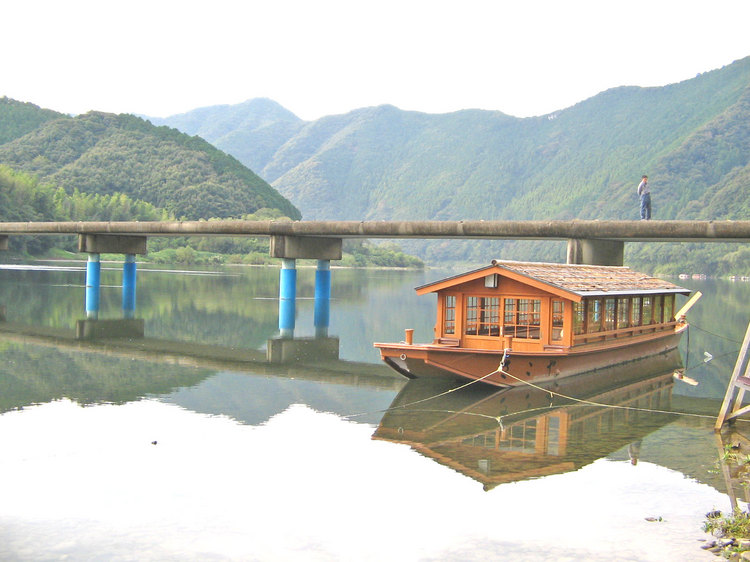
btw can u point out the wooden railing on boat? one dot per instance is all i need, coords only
(593, 337)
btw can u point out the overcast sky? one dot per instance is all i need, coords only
(324, 57)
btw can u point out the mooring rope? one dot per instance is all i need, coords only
(425, 399)
(601, 405)
(552, 393)
(715, 334)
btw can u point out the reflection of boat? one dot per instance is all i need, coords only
(512, 322)
(496, 436)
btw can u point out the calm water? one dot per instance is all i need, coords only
(191, 445)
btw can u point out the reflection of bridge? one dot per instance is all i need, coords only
(459, 430)
(589, 242)
(306, 359)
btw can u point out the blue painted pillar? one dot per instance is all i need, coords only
(128, 286)
(322, 298)
(287, 297)
(93, 283)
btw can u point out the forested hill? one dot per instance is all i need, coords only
(18, 118)
(251, 131)
(106, 154)
(691, 138)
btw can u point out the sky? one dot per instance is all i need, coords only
(325, 57)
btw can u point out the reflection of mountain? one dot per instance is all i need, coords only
(523, 432)
(253, 400)
(44, 364)
(35, 374)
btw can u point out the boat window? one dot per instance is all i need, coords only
(635, 314)
(558, 315)
(594, 316)
(520, 437)
(623, 312)
(553, 435)
(579, 317)
(522, 318)
(483, 316)
(648, 309)
(609, 314)
(449, 316)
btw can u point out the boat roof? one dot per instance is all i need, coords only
(570, 279)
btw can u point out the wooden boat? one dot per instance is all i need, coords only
(515, 322)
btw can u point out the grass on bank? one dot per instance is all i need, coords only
(355, 255)
(733, 527)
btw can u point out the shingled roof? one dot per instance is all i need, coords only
(582, 280)
(591, 279)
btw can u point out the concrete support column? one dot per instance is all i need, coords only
(93, 284)
(3, 242)
(322, 298)
(306, 247)
(111, 244)
(287, 297)
(595, 252)
(128, 286)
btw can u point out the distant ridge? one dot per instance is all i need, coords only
(579, 162)
(251, 131)
(692, 138)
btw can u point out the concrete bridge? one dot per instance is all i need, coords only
(589, 242)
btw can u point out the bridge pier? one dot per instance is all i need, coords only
(322, 298)
(289, 249)
(111, 244)
(3, 242)
(93, 284)
(128, 286)
(596, 252)
(287, 297)
(96, 244)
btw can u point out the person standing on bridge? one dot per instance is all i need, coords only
(644, 192)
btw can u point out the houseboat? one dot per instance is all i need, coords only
(515, 322)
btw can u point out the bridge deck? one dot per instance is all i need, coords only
(627, 231)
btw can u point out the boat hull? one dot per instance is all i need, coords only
(428, 360)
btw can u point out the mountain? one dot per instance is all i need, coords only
(692, 139)
(110, 154)
(580, 162)
(251, 131)
(585, 161)
(19, 118)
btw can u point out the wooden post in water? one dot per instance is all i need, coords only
(738, 383)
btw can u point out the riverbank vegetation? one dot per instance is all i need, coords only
(732, 530)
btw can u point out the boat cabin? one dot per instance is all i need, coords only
(538, 307)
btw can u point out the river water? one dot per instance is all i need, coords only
(205, 440)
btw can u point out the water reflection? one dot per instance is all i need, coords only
(732, 449)
(260, 457)
(524, 432)
(45, 364)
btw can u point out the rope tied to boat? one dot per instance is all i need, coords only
(480, 379)
(599, 404)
